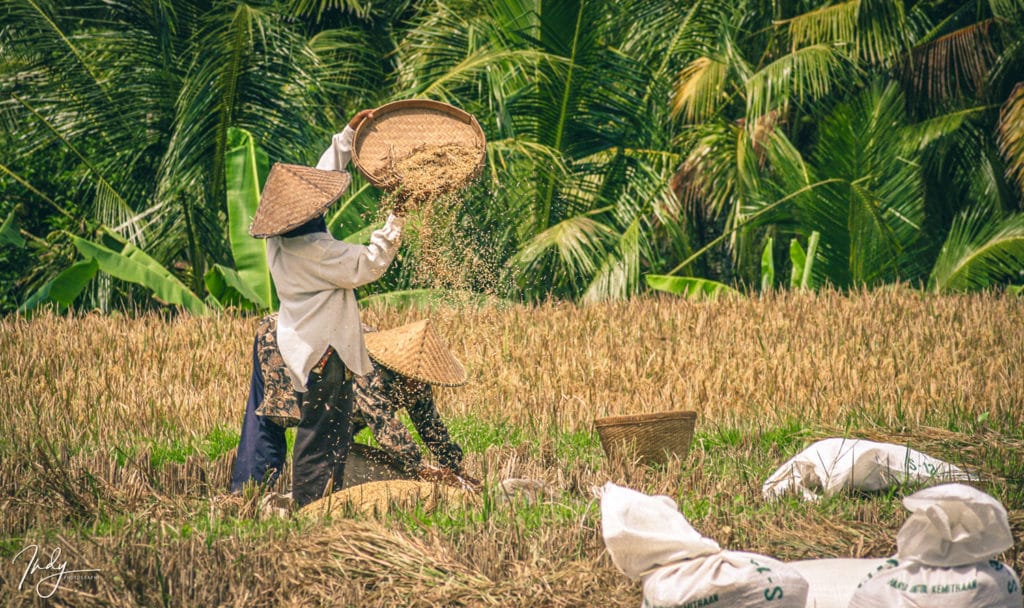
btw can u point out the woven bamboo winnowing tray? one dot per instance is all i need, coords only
(400, 127)
(648, 437)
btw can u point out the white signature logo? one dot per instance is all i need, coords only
(54, 569)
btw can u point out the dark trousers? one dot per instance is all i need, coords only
(262, 447)
(324, 434)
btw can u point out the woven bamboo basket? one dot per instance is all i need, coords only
(651, 438)
(399, 128)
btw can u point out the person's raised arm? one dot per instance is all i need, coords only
(337, 156)
(349, 266)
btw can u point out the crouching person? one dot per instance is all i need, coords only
(407, 362)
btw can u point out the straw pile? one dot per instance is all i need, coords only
(379, 497)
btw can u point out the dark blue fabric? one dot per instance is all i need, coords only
(261, 450)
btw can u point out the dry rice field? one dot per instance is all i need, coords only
(116, 437)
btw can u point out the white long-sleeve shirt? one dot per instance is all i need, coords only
(316, 275)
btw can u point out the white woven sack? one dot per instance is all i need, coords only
(649, 539)
(831, 582)
(837, 463)
(945, 556)
(897, 584)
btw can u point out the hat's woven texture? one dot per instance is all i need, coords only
(415, 350)
(399, 128)
(293, 195)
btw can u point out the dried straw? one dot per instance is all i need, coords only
(380, 497)
(892, 365)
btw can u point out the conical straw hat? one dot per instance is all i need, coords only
(415, 350)
(293, 195)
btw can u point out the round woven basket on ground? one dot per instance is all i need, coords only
(399, 128)
(651, 438)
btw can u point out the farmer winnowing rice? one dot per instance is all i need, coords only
(407, 361)
(319, 333)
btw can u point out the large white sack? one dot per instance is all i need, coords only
(649, 539)
(945, 555)
(952, 525)
(834, 464)
(990, 584)
(831, 582)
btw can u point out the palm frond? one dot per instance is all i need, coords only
(955, 64)
(501, 153)
(347, 65)
(317, 8)
(668, 38)
(700, 86)
(806, 74)
(1010, 134)
(919, 136)
(833, 24)
(979, 252)
(40, 22)
(567, 254)
(1009, 10)
(707, 178)
(882, 33)
(869, 220)
(963, 169)
(443, 85)
(618, 276)
(111, 208)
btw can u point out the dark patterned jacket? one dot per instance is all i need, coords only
(378, 397)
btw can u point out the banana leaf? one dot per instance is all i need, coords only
(807, 280)
(227, 288)
(127, 262)
(63, 288)
(767, 266)
(798, 259)
(246, 167)
(691, 288)
(9, 234)
(803, 263)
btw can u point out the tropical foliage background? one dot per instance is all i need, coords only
(695, 147)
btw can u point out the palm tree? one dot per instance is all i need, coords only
(624, 138)
(888, 107)
(139, 96)
(572, 101)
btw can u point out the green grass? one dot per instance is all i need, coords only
(177, 445)
(474, 434)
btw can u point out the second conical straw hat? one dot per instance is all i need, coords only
(415, 350)
(293, 195)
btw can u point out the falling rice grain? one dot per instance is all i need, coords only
(429, 182)
(431, 171)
